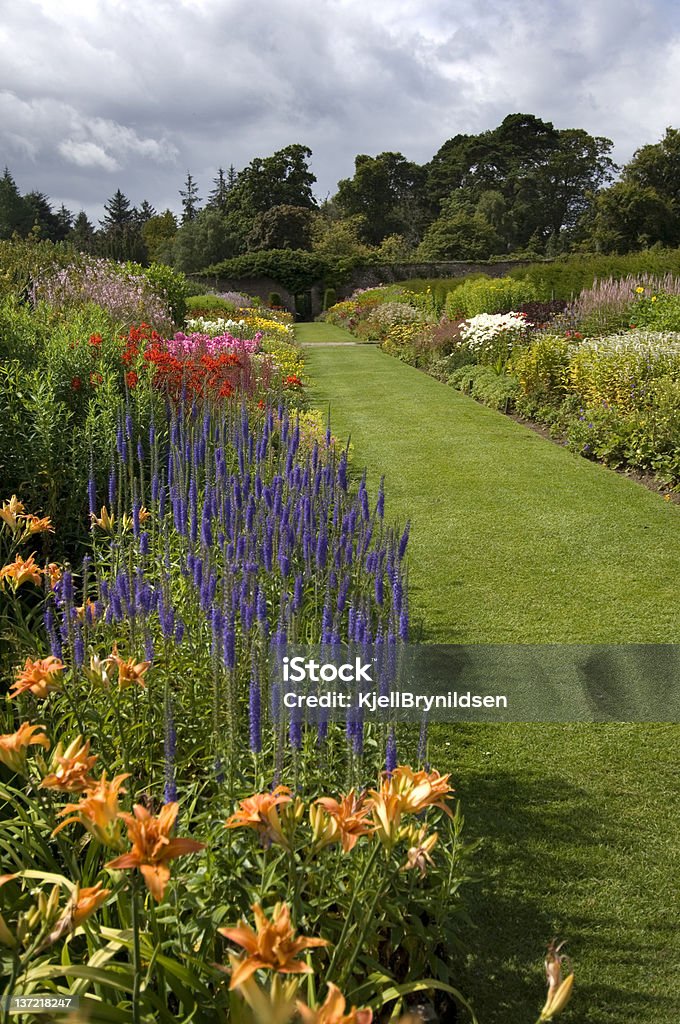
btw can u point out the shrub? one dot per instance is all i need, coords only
(274, 300)
(170, 285)
(209, 306)
(498, 391)
(541, 370)
(657, 312)
(567, 276)
(488, 295)
(329, 298)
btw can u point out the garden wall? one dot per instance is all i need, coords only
(361, 277)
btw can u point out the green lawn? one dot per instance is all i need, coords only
(515, 539)
(324, 334)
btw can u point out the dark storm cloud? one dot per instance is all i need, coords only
(111, 93)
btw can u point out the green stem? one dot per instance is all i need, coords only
(136, 953)
(348, 919)
(368, 917)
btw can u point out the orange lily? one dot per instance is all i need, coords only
(417, 791)
(82, 904)
(82, 610)
(71, 767)
(420, 848)
(559, 990)
(98, 811)
(272, 947)
(144, 514)
(129, 670)
(54, 572)
(38, 677)
(260, 812)
(105, 521)
(10, 512)
(350, 815)
(34, 524)
(152, 846)
(332, 1011)
(13, 745)
(20, 571)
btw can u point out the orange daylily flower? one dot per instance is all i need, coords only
(559, 989)
(54, 572)
(82, 610)
(10, 512)
(153, 847)
(272, 947)
(34, 524)
(387, 812)
(260, 812)
(105, 521)
(144, 514)
(38, 677)
(129, 670)
(98, 811)
(350, 814)
(420, 848)
(82, 904)
(418, 790)
(13, 745)
(20, 571)
(332, 1011)
(71, 768)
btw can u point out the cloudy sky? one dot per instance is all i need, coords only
(103, 94)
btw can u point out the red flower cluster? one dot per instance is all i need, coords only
(197, 374)
(76, 383)
(292, 381)
(135, 340)
(95, 340)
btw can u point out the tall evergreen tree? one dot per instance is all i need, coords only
(190, 199)
(15, 212)
(217, 197)
(82, 234)
(119, 212)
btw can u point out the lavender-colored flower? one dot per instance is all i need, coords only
(391, 756)
(404, 541)
(255, 725)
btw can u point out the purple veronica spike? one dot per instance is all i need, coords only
(254, 716)
(391, 753)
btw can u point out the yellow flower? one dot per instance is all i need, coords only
(38, 677)
(639, 289)
(13, 745)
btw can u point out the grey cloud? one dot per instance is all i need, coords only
(128, 94)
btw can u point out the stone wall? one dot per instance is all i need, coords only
(362, 277)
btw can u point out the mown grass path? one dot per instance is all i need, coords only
(516, 540)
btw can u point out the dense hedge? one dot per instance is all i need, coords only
(295, 269)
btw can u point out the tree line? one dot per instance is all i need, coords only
(524, 188)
